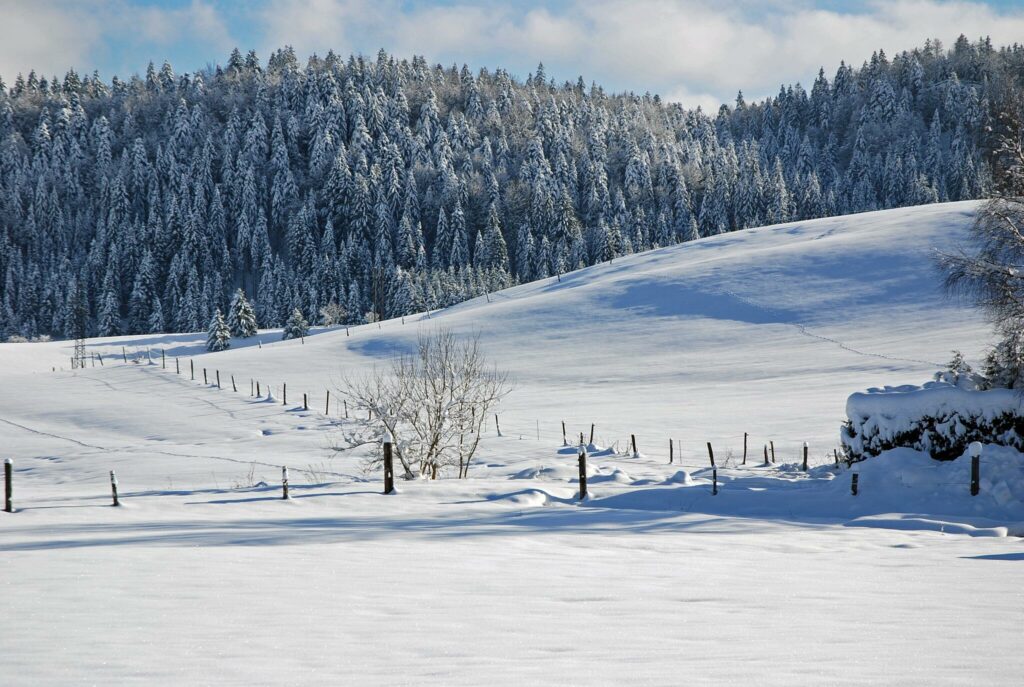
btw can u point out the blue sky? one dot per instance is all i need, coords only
(692, 51)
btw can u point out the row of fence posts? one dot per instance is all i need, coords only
(389, 474)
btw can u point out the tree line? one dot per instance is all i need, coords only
(356, 189)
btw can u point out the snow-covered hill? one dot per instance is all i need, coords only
(206, 571)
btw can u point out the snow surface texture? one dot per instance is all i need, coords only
(205, 575)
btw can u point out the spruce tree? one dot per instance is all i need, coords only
(218, 336)
(242, 316)
(296, 327)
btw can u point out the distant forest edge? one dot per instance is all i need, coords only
(364, 188)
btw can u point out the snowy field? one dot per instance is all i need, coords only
(206, 576)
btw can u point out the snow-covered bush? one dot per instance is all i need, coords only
(940, 418)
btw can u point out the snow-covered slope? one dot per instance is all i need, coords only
(764, 331)
(206, 575)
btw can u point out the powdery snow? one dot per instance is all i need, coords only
(205, 575)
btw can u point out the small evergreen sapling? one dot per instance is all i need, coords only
(218, 337)
(296, 327)
(242, 316)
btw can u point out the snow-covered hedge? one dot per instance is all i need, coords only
(939, 418)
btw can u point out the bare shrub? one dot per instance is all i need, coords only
(434, 403)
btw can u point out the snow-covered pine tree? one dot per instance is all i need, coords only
(218, 336)
(242, 316)
(296, 327)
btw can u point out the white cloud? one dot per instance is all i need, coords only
(690, 51)
(694, 51)
(48, 39)
(53, 36)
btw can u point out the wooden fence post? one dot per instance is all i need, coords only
(714, 481)
(100, 357)
(124, 355)
(346, 408)
(8, 485)
(284, 394)
(805, 456)
(163, 359)
(218, 379)
(836, 454)
(284, 482)
(772, 444)
(234, 387)
(205, 381)
(591, 442)
(305, 402)
(854, 478)
(632, 438)
(583, 473)
(711, 455)
(192, 369)
(177, 367)
(251, 387)
(497, 426)
(565, 441)
(327, 406)
(671, 453)
(389, 467)
(258, 394)
(113, 487)
(975, 451)
(744, 448)
(766, 454)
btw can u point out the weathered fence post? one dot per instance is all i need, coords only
(583, 473)
(305, 402)
(772, 444)
(163, 359)
(205, 381)
(744, 448)
(389, 467)
(251, 387)
(124, 355)
(100, 357)
(766, 454)
(854, 478)
(258, 394)
(346, 408)
(591, 442)
(8, 485)
(177, 367)
(714, 481)
(284, 394)
(671, 453)
(975, 451)
(284, 482)
(234, 387)
(192, 369)
(497, 427)
(113, 487)
(632, 439)
(805, 457)
(836, 454)
(218, 379)
(565, 441)
(327, 406)
(711, 455)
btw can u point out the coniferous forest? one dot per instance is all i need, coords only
(355, 189)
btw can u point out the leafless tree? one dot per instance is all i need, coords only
(434, 402)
